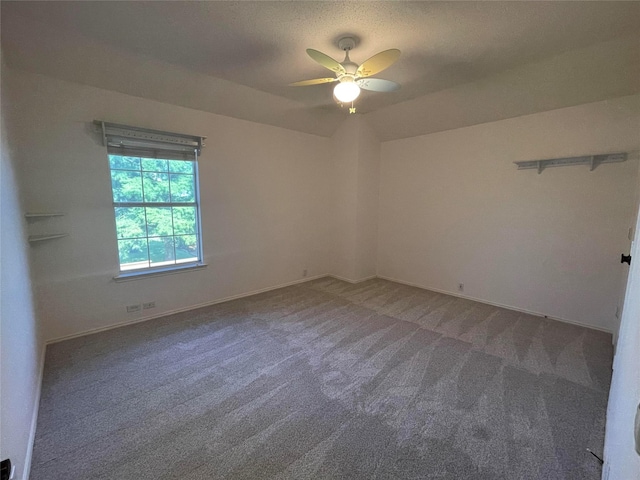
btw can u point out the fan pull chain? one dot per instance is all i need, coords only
(352, 109)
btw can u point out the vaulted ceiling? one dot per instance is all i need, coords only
(462, 62)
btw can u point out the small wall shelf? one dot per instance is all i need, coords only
(592, 160)
(43, 215)
(40, 238)
(40, 226)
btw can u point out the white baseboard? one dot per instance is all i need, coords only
(184, 309)
(308, 279)
(354, 282)
(34, 416)
(495, 304)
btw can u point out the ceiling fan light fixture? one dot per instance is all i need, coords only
(346, 92)
(351, 76)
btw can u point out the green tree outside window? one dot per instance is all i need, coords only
(156, 211)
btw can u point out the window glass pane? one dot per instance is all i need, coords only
(180, 166)
(150, 236)
(182, 189)
(154, 165)
(159, 222)
(124, 163)
(126, 186)
(186, 248)
(133, 253)
(130, 222)
(161, 251)
(156, 187)
(184, 220)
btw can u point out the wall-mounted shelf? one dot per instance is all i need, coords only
(40, 238)
(592, 160)
(43, 215)
(40, 226)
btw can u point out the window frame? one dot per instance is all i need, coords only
(136, 142)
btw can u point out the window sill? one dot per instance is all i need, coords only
(158, 272)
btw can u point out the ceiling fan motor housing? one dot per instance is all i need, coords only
(347, 43)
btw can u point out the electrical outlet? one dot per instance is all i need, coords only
(461, 287)
(133, 308)
(149, 305)
(304, 272)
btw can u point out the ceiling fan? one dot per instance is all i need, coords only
(353, 77)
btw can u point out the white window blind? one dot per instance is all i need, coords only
(139, 142)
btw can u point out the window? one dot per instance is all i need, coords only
(155, 200)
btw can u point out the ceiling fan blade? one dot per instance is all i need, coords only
(378, 62)
(377, 85)
(326, 61)
(315, 81)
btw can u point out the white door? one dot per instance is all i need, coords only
(624, 276)
(622, 461)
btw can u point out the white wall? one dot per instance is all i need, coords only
(20, 346)
(344, 190)
(368, 194)
(356, 161)
(454, 208)
(622, 462)
(266, 209)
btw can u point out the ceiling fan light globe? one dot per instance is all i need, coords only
(346, 92)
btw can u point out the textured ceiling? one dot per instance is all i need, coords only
(262, 45)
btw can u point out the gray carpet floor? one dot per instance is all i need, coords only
(327, 380)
